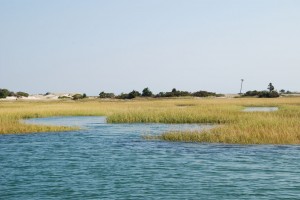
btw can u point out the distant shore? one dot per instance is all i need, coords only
(65, 96)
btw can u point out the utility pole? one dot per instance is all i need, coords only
(242, 80)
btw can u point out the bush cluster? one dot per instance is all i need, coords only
(268, 94)
(64, 97)
(6, 93)
(282, 91)
(147, 93)
(206, 94)
(131, 95)
(272, 93)
(174, 93)
(22, 94)
(79, 96)
(106, 95)
(262, 94)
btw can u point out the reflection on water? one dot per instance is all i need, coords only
(112, 161)
(98, 122)
(260, 109)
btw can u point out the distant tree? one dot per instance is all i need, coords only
(22, 94)
(133, 94)
(160, 94)
(267, 94)
(178, 93)
(274, 94)
(84, 95)
(251, 93)
(104, 95)
(262, 94)
(4, 93)
(282, 91)
(173, 93)
(123, 96)
(288, 92)
(147, 93)
(220, 95)
(203, 94)
(270, 87)
(170, 94)
(77, 96)
(12, 94)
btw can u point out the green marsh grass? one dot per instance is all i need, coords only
(232, 125)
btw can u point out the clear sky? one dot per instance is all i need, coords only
(120, 45)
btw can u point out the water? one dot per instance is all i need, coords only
(112, 161)
(261, 109)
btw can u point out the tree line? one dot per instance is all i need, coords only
(270, 93)
(6, 93)
(148, 93)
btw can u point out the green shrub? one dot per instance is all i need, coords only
(147, 93)
(133, 94)
(4, 93)
(252, 93)
(103, 95)
(122, 96)
(262, 94)
(161, 94)
(130, 95)
(22, 94)
(77, 96)
(174, 93)
(203, 94)
(12, 94)
(267, 94)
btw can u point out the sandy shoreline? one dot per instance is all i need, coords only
(40, 97)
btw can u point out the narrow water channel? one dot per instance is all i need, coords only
(113, 161)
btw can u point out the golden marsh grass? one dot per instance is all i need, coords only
(235, 126)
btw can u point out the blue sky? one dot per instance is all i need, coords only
(120, 45)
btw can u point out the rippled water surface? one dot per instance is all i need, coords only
(113, 161)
